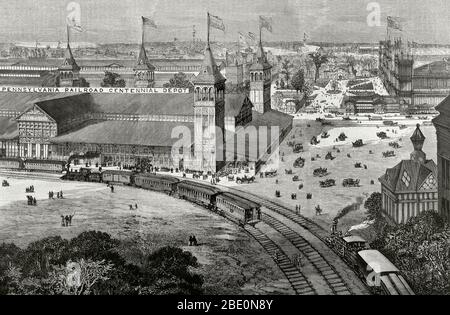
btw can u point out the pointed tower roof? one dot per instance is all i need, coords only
(209, 73)
(143, 63)
(418, 140)
(261, 59)
(69, 62)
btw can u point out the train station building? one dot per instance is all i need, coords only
(411, 186)
(124, 128)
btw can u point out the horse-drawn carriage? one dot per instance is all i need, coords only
(329, 156)
(342, 137)
(295, 178)
(358, 165)
(245, 180)
(230, 178)
(359, 143)
(298, 148)
(388, 154)
(320, 172)
(394, 145)
(5, 183)
(382, 135)
(325, 135)
(350, 182)
(314, 141)
(288, 172)
(328, 183)
(299, 163)
(271, 173)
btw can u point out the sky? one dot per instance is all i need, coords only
(114, 21)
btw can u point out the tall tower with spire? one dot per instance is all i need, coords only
(144, 71)
(69, 71)
(260, 80)
(209, 114)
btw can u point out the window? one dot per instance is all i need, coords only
(430, 183)
(406, 179)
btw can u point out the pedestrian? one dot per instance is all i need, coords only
(70, 219)
(34, 202)
(131, 207)
(57, 195)
(67, 220)
(194, 240)
(136, 206)
(61, 194)
(63, 221)
(190, 240)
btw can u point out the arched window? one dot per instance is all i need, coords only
(196, 92)
(210, 94)
(260, 76)
(253, 76)
(204, 94)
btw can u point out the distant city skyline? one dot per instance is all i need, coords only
(107, 21)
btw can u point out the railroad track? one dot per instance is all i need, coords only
(317, 260)
(298, 281)
(305, 223)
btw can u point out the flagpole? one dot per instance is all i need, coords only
(68, 35)
(143, 38)
(208, 31)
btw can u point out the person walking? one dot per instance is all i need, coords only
(63, 221)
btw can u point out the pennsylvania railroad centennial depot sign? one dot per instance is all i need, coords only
(105, 90)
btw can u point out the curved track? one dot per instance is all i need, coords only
(298, 281)
(326, 270)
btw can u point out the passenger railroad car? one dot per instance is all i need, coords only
(381, 275)
(204, 195)
(238, 209)
(11, 163)
(117, 177)
(44, 166)
(160, 183)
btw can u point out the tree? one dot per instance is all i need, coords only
(172, 267)
(179, 80)
(112, 80)
(319, 59)
(298, 80)
(286, 70)
(421, 250)
(373, 206)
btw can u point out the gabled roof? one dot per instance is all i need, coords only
(416, 172)
(441, 67)
(234, 103)
(125, 132)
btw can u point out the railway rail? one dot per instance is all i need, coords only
(333, 279)
(298, 281)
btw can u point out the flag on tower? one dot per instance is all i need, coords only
(242, 39)
(216, 22)
(265, 22)
(251, 36)
(148, 22)
(74, 23)
(394, 23)
(305, 36)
